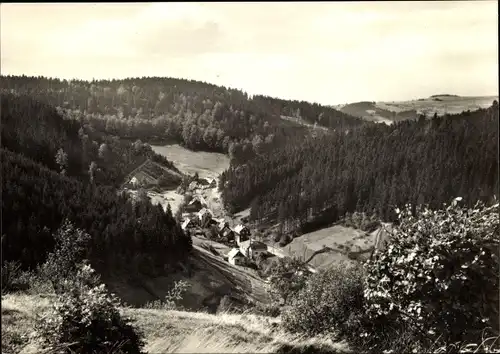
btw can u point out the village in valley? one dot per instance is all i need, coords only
(203, 216)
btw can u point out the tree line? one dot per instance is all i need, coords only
(198, 115)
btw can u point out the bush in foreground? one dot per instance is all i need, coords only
(86, 319)
(172, 298)
(63, 262)
(331, 302)
(11, 272)
(434, 289)
(439, 275)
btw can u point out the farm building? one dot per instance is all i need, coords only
(141, 178)
(206, 218)
(203, 213)
(235, 257)
(203, 182)
(151, 173)
(188, 223)
(196, 204)
(242, 233)
(227, 234)
(222, 226)
(252, 249)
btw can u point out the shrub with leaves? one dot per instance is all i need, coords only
(86, 319)
(332, 300)
(171, 300)
(439, 274)
(286, 277)
(68, 254)
(360, 220)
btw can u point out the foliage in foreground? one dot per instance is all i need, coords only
(171, 299)
(85, 318)
(63, 263)
(329, 299)
(439, 275)
(286, 277)
(435, 288)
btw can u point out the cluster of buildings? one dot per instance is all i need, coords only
(244, 250)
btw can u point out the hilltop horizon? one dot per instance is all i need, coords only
(331, 104)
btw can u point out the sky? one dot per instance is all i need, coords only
(324, 52)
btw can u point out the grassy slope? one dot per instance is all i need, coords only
(210, 278)
(207, 164)
(171, 331)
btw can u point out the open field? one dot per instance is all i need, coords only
(441, 104)
(387, 112)
(331, 245)
(300, 121)
(207, 164)
(171, 331)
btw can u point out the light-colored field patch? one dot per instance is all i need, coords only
(331, 245)
(164, 198)
(440, 104)
(206, 164)
(300, 121)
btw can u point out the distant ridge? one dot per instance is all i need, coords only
(444, 95)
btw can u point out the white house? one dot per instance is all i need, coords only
(235, 257)
(252, 249)
(134, 181)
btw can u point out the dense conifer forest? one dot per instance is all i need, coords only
(373, 169)
(54, 169)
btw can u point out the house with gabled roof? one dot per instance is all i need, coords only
(195, 205)
(222, 225)
(242, 233)
(252, 248)
(235, 257)
(204, 212)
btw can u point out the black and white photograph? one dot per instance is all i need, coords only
(250, 177)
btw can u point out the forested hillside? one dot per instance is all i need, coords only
(196, 114)
(372, 169)
(53, 169)
(47, 135)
